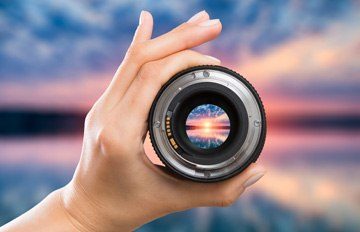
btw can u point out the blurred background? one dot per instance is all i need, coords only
(57, 56)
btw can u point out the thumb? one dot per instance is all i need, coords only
(222, 193)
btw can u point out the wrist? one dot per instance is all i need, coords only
(49, 214)
(88, 213)
(68, 206)
(82, 212)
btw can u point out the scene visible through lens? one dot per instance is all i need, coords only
(207, 126)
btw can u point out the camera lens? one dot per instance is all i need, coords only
(207, 123)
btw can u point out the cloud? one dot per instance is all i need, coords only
(291, 48)
(77, 94)
(309, 74)
(63, 38)
(336, 47)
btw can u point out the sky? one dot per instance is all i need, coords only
(302, 56)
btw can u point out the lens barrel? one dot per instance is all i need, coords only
(207, 123)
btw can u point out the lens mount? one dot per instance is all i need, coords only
(207, 123)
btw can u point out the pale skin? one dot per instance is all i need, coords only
(115, 186)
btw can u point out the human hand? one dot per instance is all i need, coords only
(115, 186)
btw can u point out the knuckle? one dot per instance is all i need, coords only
(136, 53)
(226, 198)
(185, 37)
(93, 116)
(103, 139)
(90, 118)
(227, 201)
(106, 144)
(112, 143)
(148, 70)
(185, 42)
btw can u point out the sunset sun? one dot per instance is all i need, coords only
(207, 126)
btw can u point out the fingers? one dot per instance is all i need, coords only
(198, 30)
(185, 36)
(154, 74)
(144, 29)
(126, 71)
(222, 193)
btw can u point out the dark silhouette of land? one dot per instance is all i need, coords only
(32, 122)
(27, 122)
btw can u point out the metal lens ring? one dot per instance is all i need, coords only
(207, 123)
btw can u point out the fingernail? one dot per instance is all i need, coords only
(197, 16)
(141, 18)
(209, 23)
(213, 58)
(257, 174)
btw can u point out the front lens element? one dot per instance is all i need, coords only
(207, 126)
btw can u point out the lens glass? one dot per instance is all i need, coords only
(207, 126)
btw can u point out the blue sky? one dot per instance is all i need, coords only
(71, 37)
(44, 43)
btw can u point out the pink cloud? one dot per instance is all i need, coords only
(66, 94)
(307, 57)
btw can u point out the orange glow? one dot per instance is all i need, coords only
(206, 125)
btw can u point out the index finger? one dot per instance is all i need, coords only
(187, 35)
(184, 37)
